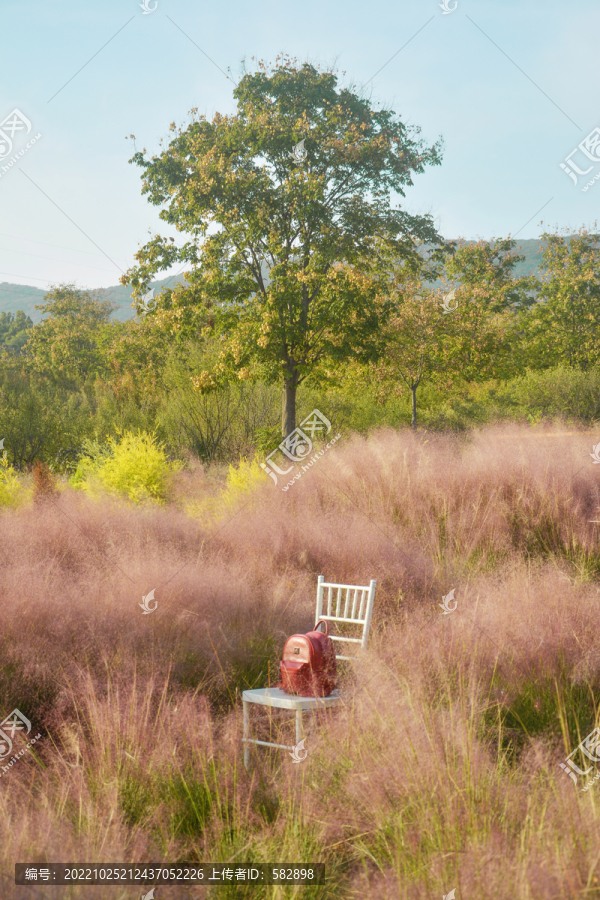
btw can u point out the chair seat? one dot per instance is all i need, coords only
(277, 697)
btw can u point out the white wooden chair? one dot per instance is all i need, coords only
(356, 608)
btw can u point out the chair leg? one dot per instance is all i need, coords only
(246, 719)
(246, 734)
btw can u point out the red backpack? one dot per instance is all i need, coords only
(308, 665)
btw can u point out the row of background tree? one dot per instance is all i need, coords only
(513, 347)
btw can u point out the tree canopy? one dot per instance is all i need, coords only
(287, 204)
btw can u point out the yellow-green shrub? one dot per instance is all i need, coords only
(136, 466)
(243, 480)
(12, 492)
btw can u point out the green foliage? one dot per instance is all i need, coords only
(119, 406)
(259, 658)
(564, 328)
(267, 439)
(66, 460)
(416, 339)
(69, 344)
(192, 803)
(93, 455)
(556, 393)
(497, 356)
(14, 331)
(560, 391)
(186, 796)
(138, 800)
(216, 426)
(542, 705)
(355, 403)
(492, 302)
(38, 415)
(474, 338)
(135, 467)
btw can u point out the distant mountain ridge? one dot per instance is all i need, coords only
(25, 297)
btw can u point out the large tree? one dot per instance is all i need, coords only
(287, 204)
(487, 342)
(71, 343)
(417, 332)
(469, 333)
(564, 327)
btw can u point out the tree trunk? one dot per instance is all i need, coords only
(413, 389)
(288, 412)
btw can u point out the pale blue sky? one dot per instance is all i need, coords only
(459, 77)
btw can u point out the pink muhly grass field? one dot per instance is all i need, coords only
(441, 768)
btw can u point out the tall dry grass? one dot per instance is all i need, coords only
(440, 769)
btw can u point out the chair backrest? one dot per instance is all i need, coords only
(353, 604)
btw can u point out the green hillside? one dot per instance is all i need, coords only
(23, 297)
(532, 251)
